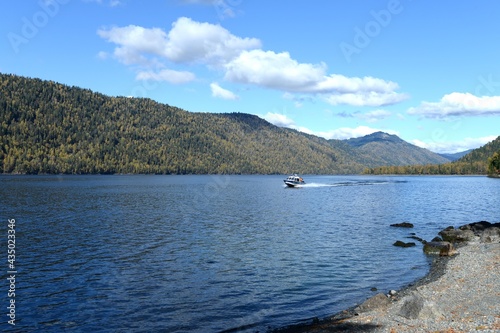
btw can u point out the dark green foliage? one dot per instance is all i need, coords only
(494, 165)
(477, 162)
(48, 127)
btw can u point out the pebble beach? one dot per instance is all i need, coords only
(460, 294)
(466, 298)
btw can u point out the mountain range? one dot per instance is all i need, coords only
(456, 156)
(48, 127)
(481, 161)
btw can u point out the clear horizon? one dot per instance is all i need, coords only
(424, 71)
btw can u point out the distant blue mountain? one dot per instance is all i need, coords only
(380, 148)
(456, 156)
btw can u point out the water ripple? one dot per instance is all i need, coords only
(219, 253)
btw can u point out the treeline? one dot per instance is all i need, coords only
(481, 161)
(52, 128)
(475, 168)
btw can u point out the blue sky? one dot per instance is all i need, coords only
(427, 71)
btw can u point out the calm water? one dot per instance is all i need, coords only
(216, 253)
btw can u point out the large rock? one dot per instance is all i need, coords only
(453, 235)
(377, 302)
(491, 235)
(403, 244)
(439, 248)
(486, 231)
(414, 306)
(479, 227)
(402, 225)
(483, 231)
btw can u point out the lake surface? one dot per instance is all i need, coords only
(219, 253)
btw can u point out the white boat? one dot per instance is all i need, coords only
(294, 180)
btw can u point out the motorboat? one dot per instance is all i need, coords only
(294, 180)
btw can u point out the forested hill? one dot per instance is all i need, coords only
(477, 162)
(481, 154)
(48, 127)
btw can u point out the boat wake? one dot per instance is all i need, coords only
(316, 185)
(348, 183)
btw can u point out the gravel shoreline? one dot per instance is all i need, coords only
(460, 294)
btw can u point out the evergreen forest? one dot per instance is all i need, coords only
(51, 128)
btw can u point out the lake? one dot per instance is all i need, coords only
(218, 253)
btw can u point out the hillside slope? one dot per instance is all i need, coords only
(481, 154)
(387, 149)
(474, 163)
(48, 127)
(456, 156)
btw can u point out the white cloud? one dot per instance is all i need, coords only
(241, 60)
(345, 85)
(454, 146)
(218, 91)
(273, 70)
(135, 43)
(459, 104)
(344, 133)
(279, 71)
(187, 42)
(374, 116)
(168, 75)
(362, 98)
(279, 119)
(282, 120)
(191, 41)
(366, 91)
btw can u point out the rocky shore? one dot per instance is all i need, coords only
(461, 293)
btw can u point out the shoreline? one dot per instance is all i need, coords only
(449, 298)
